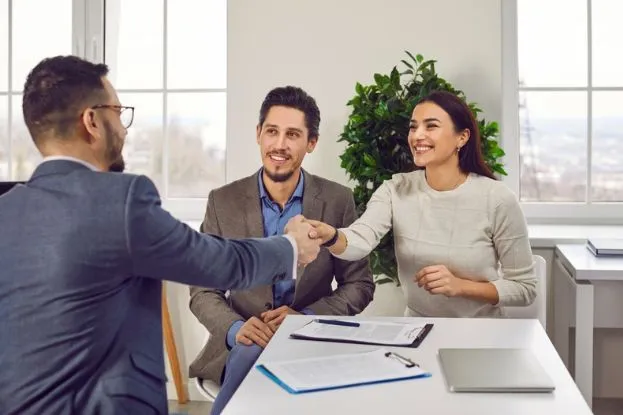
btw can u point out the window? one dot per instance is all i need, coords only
(167, 58)
(173, 70)
(563, 123)
(26, 37)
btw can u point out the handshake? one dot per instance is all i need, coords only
(309, 236)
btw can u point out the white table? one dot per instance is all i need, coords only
(258, 395)
(578, 277)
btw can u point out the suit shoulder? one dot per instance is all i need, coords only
(331, 187)
(236, 187)
(119, 181)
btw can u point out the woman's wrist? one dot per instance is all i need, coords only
(333, 239)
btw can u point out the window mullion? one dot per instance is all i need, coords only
(9, 96)
(509, 133)
(589, 103)
(94, 20)
(165, 97)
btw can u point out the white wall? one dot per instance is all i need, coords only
(325, 47)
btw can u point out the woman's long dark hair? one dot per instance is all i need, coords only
(470, 156)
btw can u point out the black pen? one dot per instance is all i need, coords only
(337, 322)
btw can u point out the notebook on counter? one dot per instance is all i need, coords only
(341, 371)
(605, 246)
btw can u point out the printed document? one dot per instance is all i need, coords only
(321, 373)
(382, 333)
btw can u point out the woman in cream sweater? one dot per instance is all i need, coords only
(460, 236)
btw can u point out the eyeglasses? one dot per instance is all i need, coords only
(126, 114)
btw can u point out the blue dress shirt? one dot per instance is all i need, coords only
(275, 220)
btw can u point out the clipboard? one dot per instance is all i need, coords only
(335, 372)
(416, 342)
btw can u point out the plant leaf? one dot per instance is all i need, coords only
(407, 64)
(411, 56)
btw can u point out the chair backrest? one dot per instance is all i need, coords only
(538, 309)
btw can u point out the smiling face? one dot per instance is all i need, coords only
(284, 140)
(433, 139)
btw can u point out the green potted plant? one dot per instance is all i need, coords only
(376, 139)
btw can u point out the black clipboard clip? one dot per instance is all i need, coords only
(405, 360)
(422, 335)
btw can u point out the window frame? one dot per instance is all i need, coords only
(187, 209)
(88, 42)
(588, 212)
(79, 35)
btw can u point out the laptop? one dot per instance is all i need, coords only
(493, 370)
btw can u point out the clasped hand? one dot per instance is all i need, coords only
(309, 235)
(307, 241)
(437, 279)
(261, 330)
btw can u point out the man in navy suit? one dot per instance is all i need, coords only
(83, 252)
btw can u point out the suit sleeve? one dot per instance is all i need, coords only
(209, 305)
(164, 248)
(355, 285)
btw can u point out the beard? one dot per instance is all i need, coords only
(279, 177)
(113, 152)
(117, 166)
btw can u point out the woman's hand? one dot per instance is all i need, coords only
(323, 231)
(437, 279)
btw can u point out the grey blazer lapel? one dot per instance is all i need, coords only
(255, 226)
(252, 210)
(312, 205)
(313, 208)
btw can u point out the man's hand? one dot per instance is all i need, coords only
(255, 331)
(437, 279)
(307, 242)
(322, 230)
(275, 317)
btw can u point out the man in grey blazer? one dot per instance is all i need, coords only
(242, 323)
(83, 252)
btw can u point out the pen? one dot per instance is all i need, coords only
(337, 322)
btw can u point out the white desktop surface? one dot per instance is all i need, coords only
(259, 395)
(583, 265)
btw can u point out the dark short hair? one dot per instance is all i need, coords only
(471, 159)
(57, 89)
(293, 97)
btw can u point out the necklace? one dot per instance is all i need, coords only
(462, 178)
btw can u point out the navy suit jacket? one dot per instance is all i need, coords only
(82, 256)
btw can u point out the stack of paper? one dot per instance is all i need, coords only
(339, 371)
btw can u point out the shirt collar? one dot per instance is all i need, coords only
(298, 191)
(68, 158)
